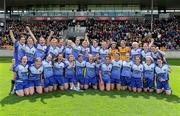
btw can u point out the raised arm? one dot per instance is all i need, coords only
(12, 36)
(31, 34)
(86, 38)
(152, 42)
(49, 37)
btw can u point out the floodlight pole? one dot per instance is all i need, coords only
(152, 8)
(4, 15)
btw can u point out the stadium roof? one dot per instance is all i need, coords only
(165, 4)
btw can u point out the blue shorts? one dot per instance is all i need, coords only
(136, 82)
(48, 82)
(80, 79)
(34, 83)
(163, 84)
(106, 80)
(115, 81)
(58, 80)
(20, 85)
(90, 80)
(125, 81)
(148, 83)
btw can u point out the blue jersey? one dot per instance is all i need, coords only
(98, 65)
(94, 50)
(149, 71)
(35, 73)
(76, 50)
(134, 53)
(54, 51)
(41, 51)
(137, 70)
(103, 53)
(19, 51)
(80, 67)
(58, 69)
(30, 53)
(85, 52)
(61, 49)
(106, 70)
(144, 54)
(21, 72)
(162, 72)
(68, 51)
(126, 68)
(91, 69)
(156, 55)
(116, 69)
(48, 69)
(70, 69)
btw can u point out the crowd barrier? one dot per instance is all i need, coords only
(169, 54)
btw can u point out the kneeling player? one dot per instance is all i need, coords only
(116, 72)
(105, 73)
(35, 76)
(58, 71)
(137, 73)
(148, 83)
(162, 71)
(21, 81)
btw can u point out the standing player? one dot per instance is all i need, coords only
(53, 48)
(116, 72)
(156, 53)
(113, 50)
(135, 51)
(85, 50)
(94, 48)
(61, 45)
(21, 81)
(149, 67)
(104, 51)
(137, 75)
(162, 70)
(35, 77)
(68, 49)
(48, 73)
(76, 48)
(105, 74)
(123, 50)
(126, 73)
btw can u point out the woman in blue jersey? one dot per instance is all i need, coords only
(68, 49)
(105, 74)
(126, 73)
(148, 81)
(90, 78)
(35, 76)
(76, 48)
(162, 77)
(21, 81)
(48, 73)
(104, 51)
(85, 50)
(58, 71)
(137, 75)
(116, 72)
(156, 53)
(69, 73)
(135, 51)
(94, 48)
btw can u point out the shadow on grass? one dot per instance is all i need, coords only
(13, 99)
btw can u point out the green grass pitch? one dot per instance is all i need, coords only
(90, 102)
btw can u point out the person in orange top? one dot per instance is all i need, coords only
(123, 50)
(113, 50)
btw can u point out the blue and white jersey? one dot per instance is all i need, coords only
(41, 51)
(137, 70)
(58, 69)
(116, 69)
(134, 53)
(30, 53)
(94, 50)
(61, 49)
(103, 53)
(48, 69)
(68, 51)
(90, 69)
(144, 54)
(22, 72)
(106, 70)
(98, 66)
(76, 50)
(156, 55)
(69, 69)
(149, 71)
(85, 52)
(162, 72)
(19, 51)
(80, 67)
(35, 73)
(54, 51)
(126, 68)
